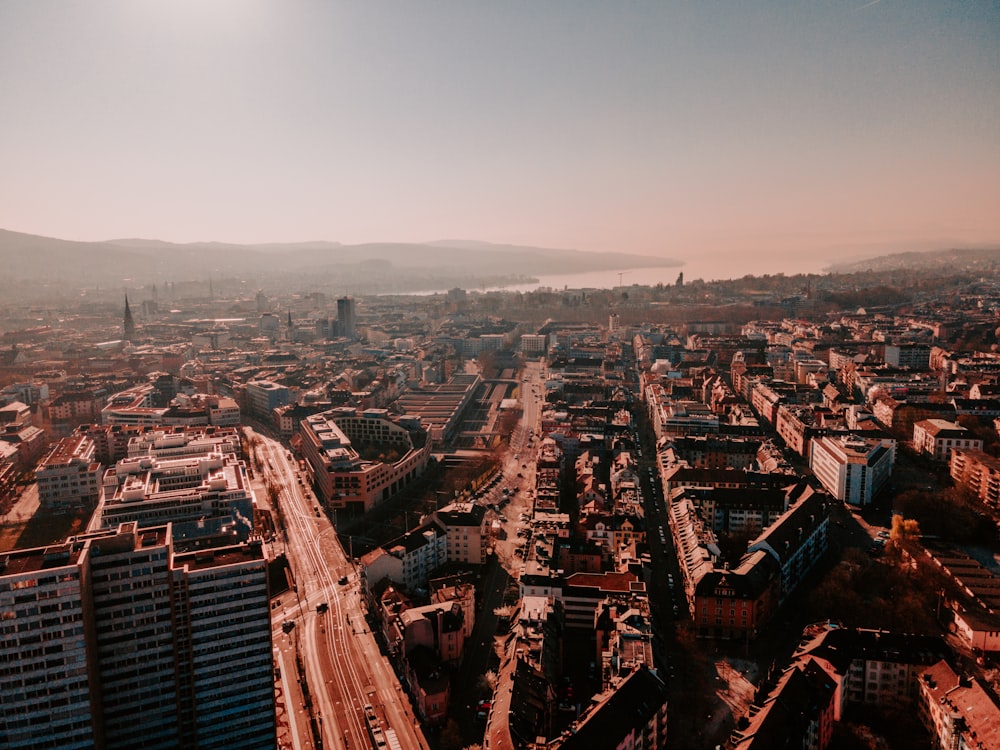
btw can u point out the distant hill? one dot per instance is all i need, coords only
(368, 267)
(981, 260)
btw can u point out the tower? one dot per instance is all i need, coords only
(345, 318)
(128, 324)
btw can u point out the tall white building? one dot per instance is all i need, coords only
(852, 469)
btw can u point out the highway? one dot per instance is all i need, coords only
(344, 669)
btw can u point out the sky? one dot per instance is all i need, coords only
(663, 128)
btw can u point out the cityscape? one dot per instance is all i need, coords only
(563, 375)
(753, 513)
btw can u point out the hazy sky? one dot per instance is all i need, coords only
(661, 128)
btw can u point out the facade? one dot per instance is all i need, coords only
(263, 397)
(853, 470)
(911, 356)
(69, 476)
(631, 715)
(467, 529)
(938, 437)
(342, 477)
(797, 540)
(409, 560)
(115, 641)
(979, 472)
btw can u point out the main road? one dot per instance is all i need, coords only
(344, 668)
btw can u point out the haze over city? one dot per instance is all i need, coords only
(663, 129)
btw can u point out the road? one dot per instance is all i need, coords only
(344, 670)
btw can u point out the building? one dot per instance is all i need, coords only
(263, 397)
(69, 476)
(343, 477)
(938, 437)
(910, 356)
(197, 410)
(631, 714)
(346, 321)
(115, 640)
(978, 472)
(736, 603)
(957, 711)
(799, 712)
(468, 531)
(185, 491)
(409, 560)
(534, 344)
(853, 470)
(797, 540)
(128, 324)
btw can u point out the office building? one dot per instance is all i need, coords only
(346, 323)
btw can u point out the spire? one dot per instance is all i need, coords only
(128, 324)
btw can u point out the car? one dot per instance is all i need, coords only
(483, 709)
(883, 535)
(288, 626)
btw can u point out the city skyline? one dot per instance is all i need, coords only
(655, 129)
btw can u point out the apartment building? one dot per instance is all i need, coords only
(468, 531)
(69, 476)
(937, 438)
(979, 472)
(852, 469)
(407, 561)
(956, 710)
(113, 640)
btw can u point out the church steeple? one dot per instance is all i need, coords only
(129, 324)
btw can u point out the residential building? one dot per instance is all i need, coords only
(797, 540)
(630, 714)
(852, 469)
(912, 356)
(69, 476)
(736, 603)
(263, 397)
(408, 560)
(957, 710)
(468, 530)
(81, 613)
(346, 318)
(978, 472)
(534, 344)
(938, 437)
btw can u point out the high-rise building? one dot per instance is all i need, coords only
(114, 640)
(346, 324)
